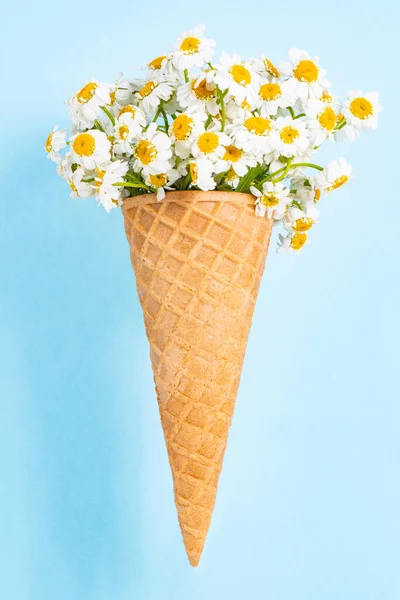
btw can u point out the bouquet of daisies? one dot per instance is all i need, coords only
(233, 125)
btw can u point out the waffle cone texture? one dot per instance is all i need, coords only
(198, 259)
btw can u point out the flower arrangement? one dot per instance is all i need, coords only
(236, 125)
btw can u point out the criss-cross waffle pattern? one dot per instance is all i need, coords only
(198, 260)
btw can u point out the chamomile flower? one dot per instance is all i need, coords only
(192, 49)
(105, 179)
(162, 181)
(337, 173)
(152, 151)
(305, 189)
(120, 93)
(199, 94)
(301, 221)
(184, 129)
(293, 242)
(361, 110)
(91, 148)
(210, 145)
(321, 120)
(236, 158)
(56, 141)
(289, 137)
(265, 67)
(254, 134)
(306, 78)
(201, 173)
(272, 200)
(84, 107)
(128, 127)
(272, 95)
(79, 185)
(152, 92)
(236, 76)
(232, 178)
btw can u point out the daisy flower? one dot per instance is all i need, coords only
(361, 110)
(237, 113)
(120, 93)
(236, 158)
(321, 120)
(292, 242)
(264, 66)
(272, 95)
(254, 134)
(127, 128)
(289, 137)
(84, 107)
(238, 77)
(199, 94)
(162, 181)
(183, 130)
(91, 148)
(301, 221)
(272, 200)
(56, 141)
(210, 145)
(152, 152)
(336, 174)
(201, 172)
(105, 179)
(78, 184)
(306, 78)
(192, 49)
(305, 189)
(152, 92)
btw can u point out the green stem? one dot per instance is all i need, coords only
(292, 166)
(131, 184)
(98, 126)
(207, 123)
(311, 165)
(157, 114)
(340, 126)
(109, 115)
(300, 115)
(221, 97)
(290, 109)
(285, 172)
(186, 74)
(165, 119)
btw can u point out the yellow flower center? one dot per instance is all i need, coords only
(147, 89)
(87, 92)
(84, 144)
(245, 105)
(208, 142)
(306, 71)
(339, 118)
(317, 195)
(193, 171)
(158, 181)
(99, 178)
(240, 74)
(298, 241)
(270, 91)
(146, 152)
(289, 134)
(303, 224)
(327, 119)
(270, 68)
(48, 144)
(232, 175)
(72, 186)
(201, 91)
(269, 200)
(337, 183)
(182, 127)
(112, 96)
(232, 153)
(258, 125)
(190, 45)
(127, 109)
(361, 108)
(326, 97)
(123, 132)
(156, 64)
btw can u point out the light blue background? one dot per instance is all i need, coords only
(308, 505)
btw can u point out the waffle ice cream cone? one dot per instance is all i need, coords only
(198, 258)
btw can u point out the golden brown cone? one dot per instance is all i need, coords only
(198, 258)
